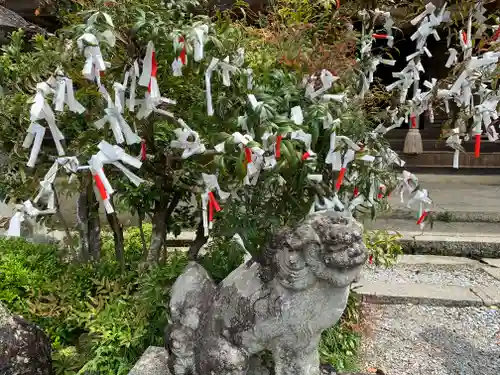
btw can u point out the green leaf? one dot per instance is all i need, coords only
(110, 37)
(108, 18)
(314, 134)
(291, 154)
(92, 19)
(241, 171)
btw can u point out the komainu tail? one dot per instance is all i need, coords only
(191, 297)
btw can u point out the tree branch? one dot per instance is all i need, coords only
(198, 242)
(173, 205)
(140, 214)
(63, 221)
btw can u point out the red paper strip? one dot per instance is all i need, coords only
(380, 36)
(370, 260)
(422, 217)
(496, 35)
(278, 146)
(464, 37)
(413, 120)
(381, 192)
(248, 154)
(154, 69)
(340, 179)
(477, 146)
(154, 65)
(338, 4)
(182, 56)
(356, 192)
(210, 211)
(213, 201)
(143, 150)
(306, 155)
(100, 187)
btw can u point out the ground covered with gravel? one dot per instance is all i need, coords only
(458, 275)
(431, 340)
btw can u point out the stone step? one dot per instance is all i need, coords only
(410, 229)
(443, 215)
(431, 280)
(445, 238)
(444, 159)
(452, 239)
(182, 240)
(455, 198)
(434, 145)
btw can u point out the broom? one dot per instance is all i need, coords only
(413, 140)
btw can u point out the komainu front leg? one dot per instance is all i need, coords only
(291, 360)
(220, 357)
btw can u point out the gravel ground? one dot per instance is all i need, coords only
(457, 275)
(425, 340)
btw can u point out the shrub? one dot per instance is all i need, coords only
(100, 320)
(97, 317)
(383, 246)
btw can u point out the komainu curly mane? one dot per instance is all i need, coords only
(314, 231)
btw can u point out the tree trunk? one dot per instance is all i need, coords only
(198, 242)
(94, 224)
(82, 220)
(87, 217)
(159, 230)
(164, 248)
(162, 212)
(141, 215)
(59, 214)
(119, 241)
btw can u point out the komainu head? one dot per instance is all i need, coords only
(325, 246)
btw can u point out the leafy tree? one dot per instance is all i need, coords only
(286, 189)
(173, 192)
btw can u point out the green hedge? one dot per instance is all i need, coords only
(101, 320)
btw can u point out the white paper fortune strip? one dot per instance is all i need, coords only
(41, 110)
(208, 85)
(189, 141)
(209, 201)
(65, 95)
(34, 139)
(94, 62)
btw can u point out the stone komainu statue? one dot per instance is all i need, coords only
(281, 303)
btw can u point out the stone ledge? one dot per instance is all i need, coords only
(413, 242)
(436, 260)
(492, 262)
(447, 216)
(453, 246)
(427, 294)
(442, 159)
(493, 271)
(449, 237)
(489, 295)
